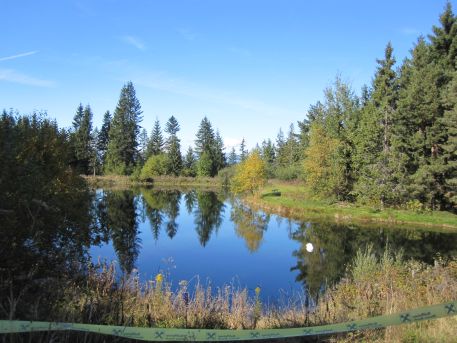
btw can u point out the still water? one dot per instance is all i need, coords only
(215, 239)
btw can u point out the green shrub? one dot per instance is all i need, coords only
(289, 172)
(155, 166)
(225, 176)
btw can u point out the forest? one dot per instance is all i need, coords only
(393, 145)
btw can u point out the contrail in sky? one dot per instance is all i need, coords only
(17, 56)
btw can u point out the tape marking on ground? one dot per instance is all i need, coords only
(162, 334)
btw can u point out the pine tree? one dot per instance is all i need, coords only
(268, 151)
(243, 151)
(103, 137)
(220, 160)
(209, 148)
(444, 39)
(205, 137)
(232, 158)
(374, 160)
(190, 163)
(122, 153)
(173, 147)
(156, 143)
(82, 138)
(419, 130)
(450, 146)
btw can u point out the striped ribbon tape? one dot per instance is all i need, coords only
(159, 334)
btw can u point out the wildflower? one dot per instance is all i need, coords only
(257, 291)
(159, 278)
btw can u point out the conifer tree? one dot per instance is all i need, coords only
(173, 146)
(103, 137)
(190, 163)
(378, 174)
(450, 146)
(232, 158)
(122, 153)
(82, 138)
(209, 148)
(205, 137)
(220, 160)
(156, 143)
(268, 151)
(243, 151)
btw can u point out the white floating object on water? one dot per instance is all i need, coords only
(309, 247)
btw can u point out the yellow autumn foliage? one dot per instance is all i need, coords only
(324, 172)
(250, 174)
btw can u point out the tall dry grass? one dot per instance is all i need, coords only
(372, 286)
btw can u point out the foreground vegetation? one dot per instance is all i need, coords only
(373, 286)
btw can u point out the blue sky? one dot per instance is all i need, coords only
(250, 66)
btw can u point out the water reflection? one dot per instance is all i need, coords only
(249, 224)
(280, 243)
(336, 245)
(207, 215)
(120, 214)
(205, 233)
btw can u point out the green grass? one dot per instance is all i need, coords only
(293, 202)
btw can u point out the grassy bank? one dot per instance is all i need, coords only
(166, 182)
(291, 200)
(373, 286)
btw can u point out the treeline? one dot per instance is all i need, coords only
(122, 147)
(395, 144)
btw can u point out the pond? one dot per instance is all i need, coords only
(215, 239)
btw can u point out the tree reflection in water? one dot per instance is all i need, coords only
(336, 245)
(249, 224)
(207, 215)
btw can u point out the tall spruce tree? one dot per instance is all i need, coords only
(243, 150)
(122, 153)
(156, 143)
(82, 138)
(268, 151)
(232, 158)
(103, 137)
(190, 163)
(419, 129)
(379, 174)
(449, 148)
(220, 159)
(206, 148)
(173, 146)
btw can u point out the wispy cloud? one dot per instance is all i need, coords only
(134, 41)
(187, 34)
(13, 57)
(11, 75)
(161, 82)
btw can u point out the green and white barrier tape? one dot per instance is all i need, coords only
(159, 334)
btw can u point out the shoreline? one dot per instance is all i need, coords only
(292, 202)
